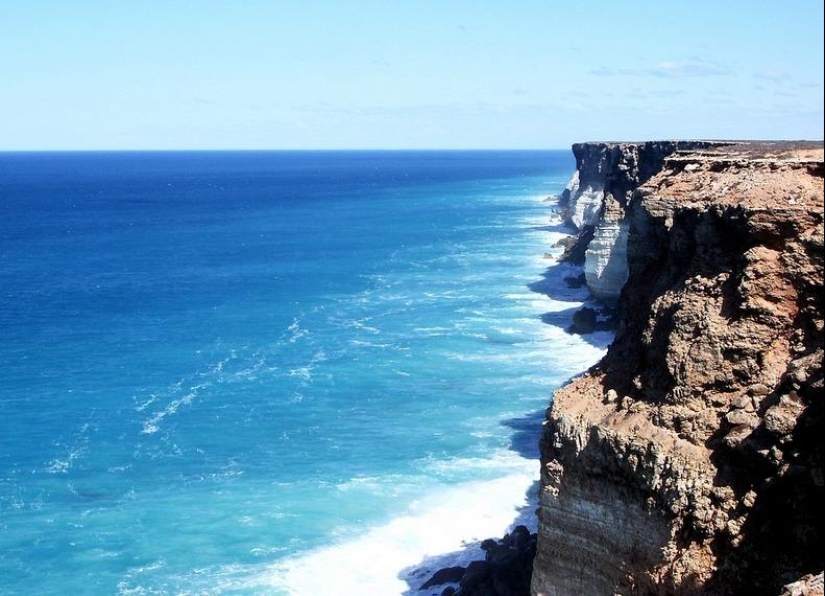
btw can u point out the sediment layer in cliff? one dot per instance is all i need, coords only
(596, 203)
(689, 461)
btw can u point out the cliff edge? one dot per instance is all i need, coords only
(597, 201)
(689, 460)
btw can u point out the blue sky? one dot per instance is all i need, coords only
(247, 74)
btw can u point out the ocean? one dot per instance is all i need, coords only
(283, 373)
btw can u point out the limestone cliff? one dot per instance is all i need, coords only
(597, 199)
(689, 461)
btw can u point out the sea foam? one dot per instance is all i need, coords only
(441, 528)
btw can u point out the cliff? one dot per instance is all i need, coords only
(597, 200)
(689, 460)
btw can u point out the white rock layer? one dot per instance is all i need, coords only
(605, 264)
(586, 206)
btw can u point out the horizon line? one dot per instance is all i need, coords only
(290, 150)
(387, 149)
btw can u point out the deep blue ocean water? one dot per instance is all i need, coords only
(271, 372)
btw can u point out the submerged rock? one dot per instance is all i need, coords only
(585, 321)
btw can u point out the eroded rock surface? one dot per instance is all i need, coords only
(597, 198)
(689, 461)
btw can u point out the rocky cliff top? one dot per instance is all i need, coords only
(689, 460)
(755, 176)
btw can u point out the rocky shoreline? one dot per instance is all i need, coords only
(688, 461)
(505, 570)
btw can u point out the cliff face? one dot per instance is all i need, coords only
(597, 200)
(689, 461)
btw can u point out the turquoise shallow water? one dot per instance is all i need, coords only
(247, 373)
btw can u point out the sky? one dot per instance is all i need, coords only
(404, 74)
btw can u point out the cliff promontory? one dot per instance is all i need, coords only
(597, 203)
(689, 460)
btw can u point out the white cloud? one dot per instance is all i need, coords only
(695, 67)
(773, 74)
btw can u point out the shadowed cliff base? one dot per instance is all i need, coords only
(689, 460)
(564, 282)
(526, 433)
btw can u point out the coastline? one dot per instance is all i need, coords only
(558, 283)
(598, 424)
(456, 529)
